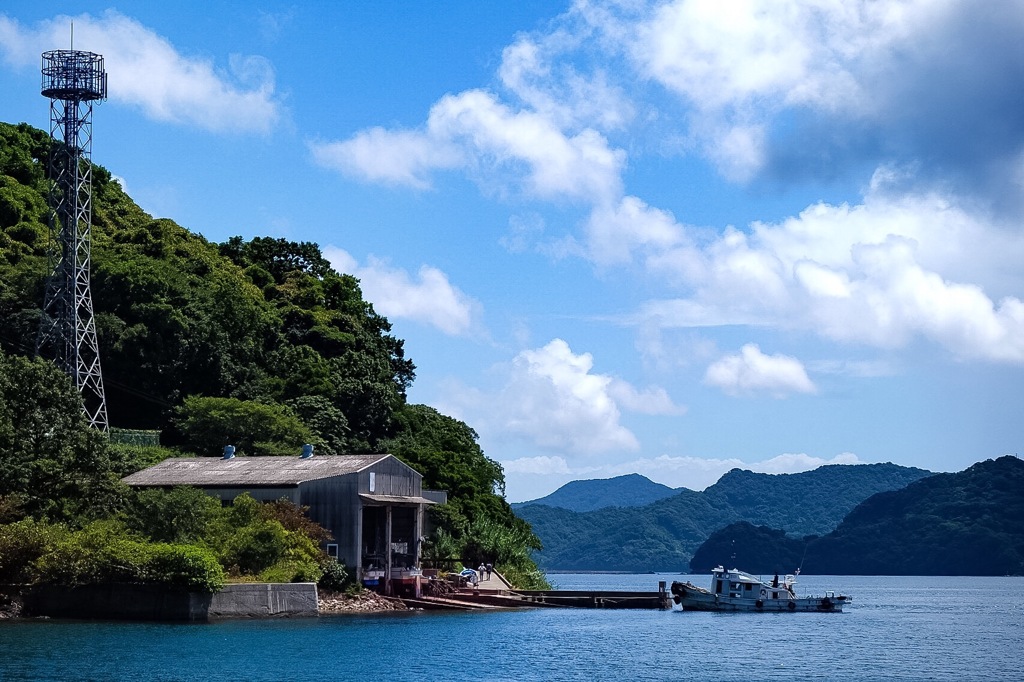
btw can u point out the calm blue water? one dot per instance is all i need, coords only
(896, 629)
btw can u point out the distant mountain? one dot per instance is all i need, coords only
(967, 523)
(809, 502)
(631, 490)
(663, 535)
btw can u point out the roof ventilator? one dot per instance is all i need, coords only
(229, 452)
(307, 451)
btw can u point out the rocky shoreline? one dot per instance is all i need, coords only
(10, 605)
(363, 602)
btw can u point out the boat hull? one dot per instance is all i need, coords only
(691, 599)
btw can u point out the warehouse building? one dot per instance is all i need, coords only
(373, 505)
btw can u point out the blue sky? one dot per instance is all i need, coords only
(670, 238)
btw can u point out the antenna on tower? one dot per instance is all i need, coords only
(73, 80)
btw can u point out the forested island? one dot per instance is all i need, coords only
(257, 343)
(965, 523)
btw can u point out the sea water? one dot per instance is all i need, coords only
(897, 628)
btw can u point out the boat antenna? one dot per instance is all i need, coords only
(801, 566)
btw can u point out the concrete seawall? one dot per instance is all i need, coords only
(262, 600)
(153, 602)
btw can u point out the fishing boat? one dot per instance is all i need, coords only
(735, 590)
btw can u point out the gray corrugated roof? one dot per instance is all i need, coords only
(249, 471)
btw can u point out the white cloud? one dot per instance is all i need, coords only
(614, 232)
(755, 78)
(477, 132)
(399, 157)
(146, 70)
(790, 463)
(551, 399)
(543, 466)
(908, 263)
(895, 268)
(428, 297)
(752, 372)
(532, 69)
(651, 400)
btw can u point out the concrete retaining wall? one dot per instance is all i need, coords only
(261, 600)
(153, 602)
(116, 602)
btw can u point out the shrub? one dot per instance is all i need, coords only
(21, 546)
(334, 576)
(180, 515)
(103, 551)
(184, 566)
(290, 571)
(256, 547)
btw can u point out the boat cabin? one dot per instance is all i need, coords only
(739, 584)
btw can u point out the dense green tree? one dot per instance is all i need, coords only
(180, 515)
(50, 460)
(208, 424)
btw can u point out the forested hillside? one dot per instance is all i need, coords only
(813, 502)
(256, 343)
(967, 523)
(631, 490)
(664, 535)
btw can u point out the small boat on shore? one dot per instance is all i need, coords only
(734, 590)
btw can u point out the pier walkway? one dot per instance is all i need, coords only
(496, 592)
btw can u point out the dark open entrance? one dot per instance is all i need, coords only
(390, 539)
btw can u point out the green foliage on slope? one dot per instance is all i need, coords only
(664, 535)
(967, 523)
(812, 502)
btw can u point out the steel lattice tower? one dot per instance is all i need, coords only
(73, 80)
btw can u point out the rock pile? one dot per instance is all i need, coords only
(364, 602)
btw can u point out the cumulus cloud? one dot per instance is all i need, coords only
(477, 132)
(880, 273)
(542, 465)
(552, 399)
(651, 400)
(751, 371)
(556, 89)
(790, 85)
(145, 70)
(428, 297)
(400, 157)
(616, 231)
